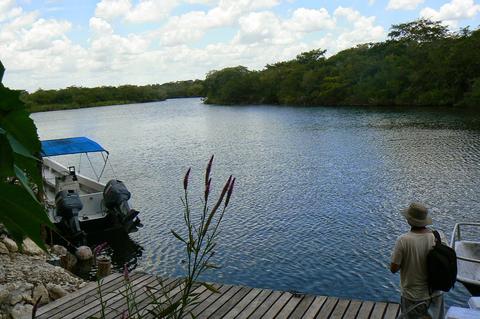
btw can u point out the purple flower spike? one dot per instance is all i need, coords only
(99, 248)
(185, 179)
(229, 193)
(207, 189)
(209, 169)
(126, 274)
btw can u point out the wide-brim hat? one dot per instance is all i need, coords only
(417, 215)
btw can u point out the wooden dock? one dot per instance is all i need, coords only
(232, 302)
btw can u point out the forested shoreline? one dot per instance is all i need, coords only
(421, 63)
(80, 97)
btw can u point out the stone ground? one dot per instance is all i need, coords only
(27, 276)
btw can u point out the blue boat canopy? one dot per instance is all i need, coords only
(72, 145)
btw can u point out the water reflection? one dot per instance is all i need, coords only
(121, 249)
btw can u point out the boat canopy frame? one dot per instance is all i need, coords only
(75, 145)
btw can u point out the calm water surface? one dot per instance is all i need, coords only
(318, 192)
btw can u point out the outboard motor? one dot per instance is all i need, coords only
(116, 196)
(68, 205)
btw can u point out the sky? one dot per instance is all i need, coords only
(53, 44)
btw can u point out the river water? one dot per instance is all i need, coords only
(316, 206)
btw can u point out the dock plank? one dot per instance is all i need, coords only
(74, 298)
(89, 297)
(327, 308)
(352, 309)
(273, 311)
(392, 311)
(340, 309)
(302, 307)
(378, 310)
(264, 306)
(151, 311)
(224, 297)
(233, 302)
(211, 299)
(315, 307)
(141, 296)
(254, 304)
(287, 310)
(242, 304)
(111, 298)
(365, 310)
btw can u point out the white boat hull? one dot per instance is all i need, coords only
(93, 217)
(468, 259)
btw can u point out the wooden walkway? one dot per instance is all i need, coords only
(231, 302)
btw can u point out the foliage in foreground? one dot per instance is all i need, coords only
(20, 179)
(199, 239)
(421, 64)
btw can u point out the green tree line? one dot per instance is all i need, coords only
(421, 63)
(77, 97)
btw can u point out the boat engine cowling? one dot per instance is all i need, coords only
(68, 205)
(115, 193)
(116, 196)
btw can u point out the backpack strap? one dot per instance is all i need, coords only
(438, 240)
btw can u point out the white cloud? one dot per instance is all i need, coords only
(452, 12)
(361, 29)
(403, 4)
(309, 20)
(109, 9)
(39, 53)
(150, 11)
(259, 27)
(8, 10)
(100, 26)
(42, 33)
(186, 28)
(193, 25)
(144, 11)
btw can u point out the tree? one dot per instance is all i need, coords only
(311, 56)
(20, 179)
(421, 30)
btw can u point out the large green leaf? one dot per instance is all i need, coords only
(2, 69)
(6, 157)
(20, 126)
(18, 148)
(32, 168)
(22, 214)
(22, 177)
(9, 100)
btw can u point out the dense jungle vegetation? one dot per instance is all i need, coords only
(77, 97)
(420, 64)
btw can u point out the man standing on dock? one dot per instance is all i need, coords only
(410, 257)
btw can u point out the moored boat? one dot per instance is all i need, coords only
(467, 247)
(79, 205)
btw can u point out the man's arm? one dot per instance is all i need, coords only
(394, 268)
(397, 256)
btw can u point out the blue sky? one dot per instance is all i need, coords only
(59, 43)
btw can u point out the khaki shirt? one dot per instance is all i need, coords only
(410, 252)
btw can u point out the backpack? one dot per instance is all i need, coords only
(441, 266)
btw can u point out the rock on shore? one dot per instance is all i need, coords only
(25, 277)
